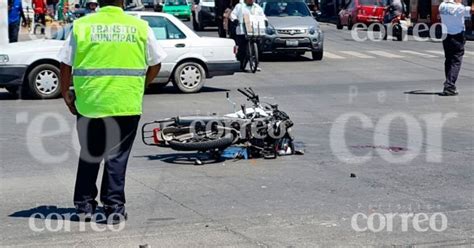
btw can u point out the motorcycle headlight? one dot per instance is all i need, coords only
(4, 59)
(270, 30)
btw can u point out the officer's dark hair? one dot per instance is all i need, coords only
(118, 3)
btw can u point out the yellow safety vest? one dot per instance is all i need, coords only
(109, 64)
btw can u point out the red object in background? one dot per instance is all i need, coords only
(361, 11)
(39, 6)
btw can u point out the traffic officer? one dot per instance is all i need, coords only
(452, 14)
(111, 57)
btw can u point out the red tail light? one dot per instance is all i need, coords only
(236, 48)
(156, 135)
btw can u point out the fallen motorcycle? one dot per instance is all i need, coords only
(261, 130)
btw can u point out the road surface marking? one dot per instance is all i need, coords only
(358, 54)
(469, 53)
(385, 54)
(436, 52)
(418, 54)
(332, 56)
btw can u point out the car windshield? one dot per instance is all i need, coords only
(371, 3)
(175, 2)
(286, 8)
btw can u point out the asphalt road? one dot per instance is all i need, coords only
(297, 201)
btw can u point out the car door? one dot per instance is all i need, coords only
(172, 39)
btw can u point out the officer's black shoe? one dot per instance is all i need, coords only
(84, 212)
(115, 214)
(116, 218)
(449, 92)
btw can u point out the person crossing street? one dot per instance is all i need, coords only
(111, 57)
(247, 8)
(452, 14)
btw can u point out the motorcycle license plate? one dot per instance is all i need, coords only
(291, 43)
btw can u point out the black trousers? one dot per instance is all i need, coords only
(242, 43)
(13, 29)
(453, 47)
(109, 140)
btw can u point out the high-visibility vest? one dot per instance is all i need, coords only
(109, 63)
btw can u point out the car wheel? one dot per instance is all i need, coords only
(189, 77)
(349, 23)
(339, 24)
(318, 55)
(43, 82)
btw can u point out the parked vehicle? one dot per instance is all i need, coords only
(361, 11)
(179, 8)
(150, 4)
(203, 14)
(263, 130)
(33, 66)
(291, 29)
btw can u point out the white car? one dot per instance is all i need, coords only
(33, 66)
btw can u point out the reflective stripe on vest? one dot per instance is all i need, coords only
(109, 72)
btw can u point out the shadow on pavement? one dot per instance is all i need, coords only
(284, 58)
(421, 92)
(5, 96)
(54, 213)
(183, 158)
(172, 90)
(8, 96)
(43, 211)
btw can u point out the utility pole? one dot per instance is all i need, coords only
(3, 22)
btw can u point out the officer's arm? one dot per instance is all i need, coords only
(65, 75)
(151, 73)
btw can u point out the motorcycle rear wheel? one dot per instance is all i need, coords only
(194, 145)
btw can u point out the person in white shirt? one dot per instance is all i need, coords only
(248, 7)
(452, 14)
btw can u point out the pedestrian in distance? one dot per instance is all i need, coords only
(111, 57)
(15, 15)
(452, 14)
(246, 8)
(39, 8)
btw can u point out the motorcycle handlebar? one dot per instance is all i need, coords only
(244, 93)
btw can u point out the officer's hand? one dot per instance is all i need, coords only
(70, 104)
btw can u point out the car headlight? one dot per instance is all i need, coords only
(270, 30)
(312, 30)
(4, 59)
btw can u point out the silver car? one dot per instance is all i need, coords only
(291, 29)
